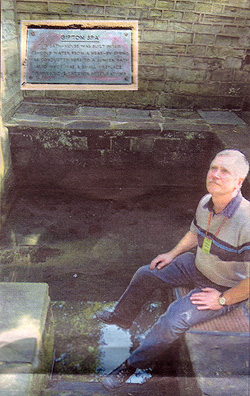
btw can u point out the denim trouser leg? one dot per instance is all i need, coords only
(181, 272)
(180, 316)
(139, 291)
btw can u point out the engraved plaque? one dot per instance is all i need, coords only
(73, 55)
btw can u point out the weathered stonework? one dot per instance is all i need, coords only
(194, 37)
(10, 47)
(27, 338)
(60, 146)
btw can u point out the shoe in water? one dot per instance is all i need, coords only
(111, 318)
(118, 377)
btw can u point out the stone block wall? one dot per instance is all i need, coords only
(111, 164)
(10, 59)
(11, 96)
(192, 53)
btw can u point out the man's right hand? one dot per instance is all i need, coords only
(162, 260)
(188, 242)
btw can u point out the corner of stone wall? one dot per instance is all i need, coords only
(6, 175)
(42, 372)
(11, 93)
(11, 98)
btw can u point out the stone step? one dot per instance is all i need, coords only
(64, 116)
(74, 388)
(225, 343)
(160, 386)
(26, 338)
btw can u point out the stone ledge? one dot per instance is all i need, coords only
(224, 341)
(24, 331)
(63, 116)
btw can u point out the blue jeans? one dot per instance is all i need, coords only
(181, 314)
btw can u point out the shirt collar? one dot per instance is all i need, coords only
(230, 209)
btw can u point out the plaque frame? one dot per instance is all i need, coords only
(71, 25)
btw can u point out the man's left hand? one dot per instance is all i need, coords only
(207, 299)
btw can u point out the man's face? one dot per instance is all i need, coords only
(222, 178)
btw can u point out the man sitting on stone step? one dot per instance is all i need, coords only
(217, 274)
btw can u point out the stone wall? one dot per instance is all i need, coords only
(10, 62)
(107, 153)
(192, 53)
(11, 95)
(108, 165)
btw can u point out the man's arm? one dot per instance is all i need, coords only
(209, 298)
(238, 293)
(188, 242)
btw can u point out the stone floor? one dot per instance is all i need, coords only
(87, 251)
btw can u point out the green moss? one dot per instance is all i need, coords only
(190, 135)
(77, 336)
(46, 354)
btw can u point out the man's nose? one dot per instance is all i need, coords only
(216, 173)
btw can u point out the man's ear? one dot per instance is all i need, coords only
(240, 182)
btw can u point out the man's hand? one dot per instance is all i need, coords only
(188, 242)
(162, 260)
(207, 299)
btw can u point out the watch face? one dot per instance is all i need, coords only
(222, 300)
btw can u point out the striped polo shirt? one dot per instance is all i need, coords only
(228, 261)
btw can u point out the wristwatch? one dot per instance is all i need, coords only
(222, 300)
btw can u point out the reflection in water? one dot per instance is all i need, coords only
(115, 347)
